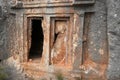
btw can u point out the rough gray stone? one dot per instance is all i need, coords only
(12, 69)
(104, 25)
(113, 19)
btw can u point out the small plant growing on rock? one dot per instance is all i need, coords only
(3, 75)
(78, 78)
(59, 75)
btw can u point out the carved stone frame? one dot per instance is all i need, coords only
(26, 34)
(68, 19)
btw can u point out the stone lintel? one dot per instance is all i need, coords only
(38, 4)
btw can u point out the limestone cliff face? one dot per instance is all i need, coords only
(102, 47)
(113, 26)
(3, 26)
(7, 30)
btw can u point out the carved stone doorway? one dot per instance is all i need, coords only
(35, 38)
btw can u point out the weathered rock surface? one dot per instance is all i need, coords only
(103, 36)
(13, 69)
(113, 26)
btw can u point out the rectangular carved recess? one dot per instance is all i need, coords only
(59, 34)
(81, 58)
(35, 38)
(78, 2)
(87, 19)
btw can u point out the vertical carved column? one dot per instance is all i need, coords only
(78, 23)
(46, 49)
(25, 46)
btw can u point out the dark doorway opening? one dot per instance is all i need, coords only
(37, 39)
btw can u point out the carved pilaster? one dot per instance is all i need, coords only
(79, 23)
